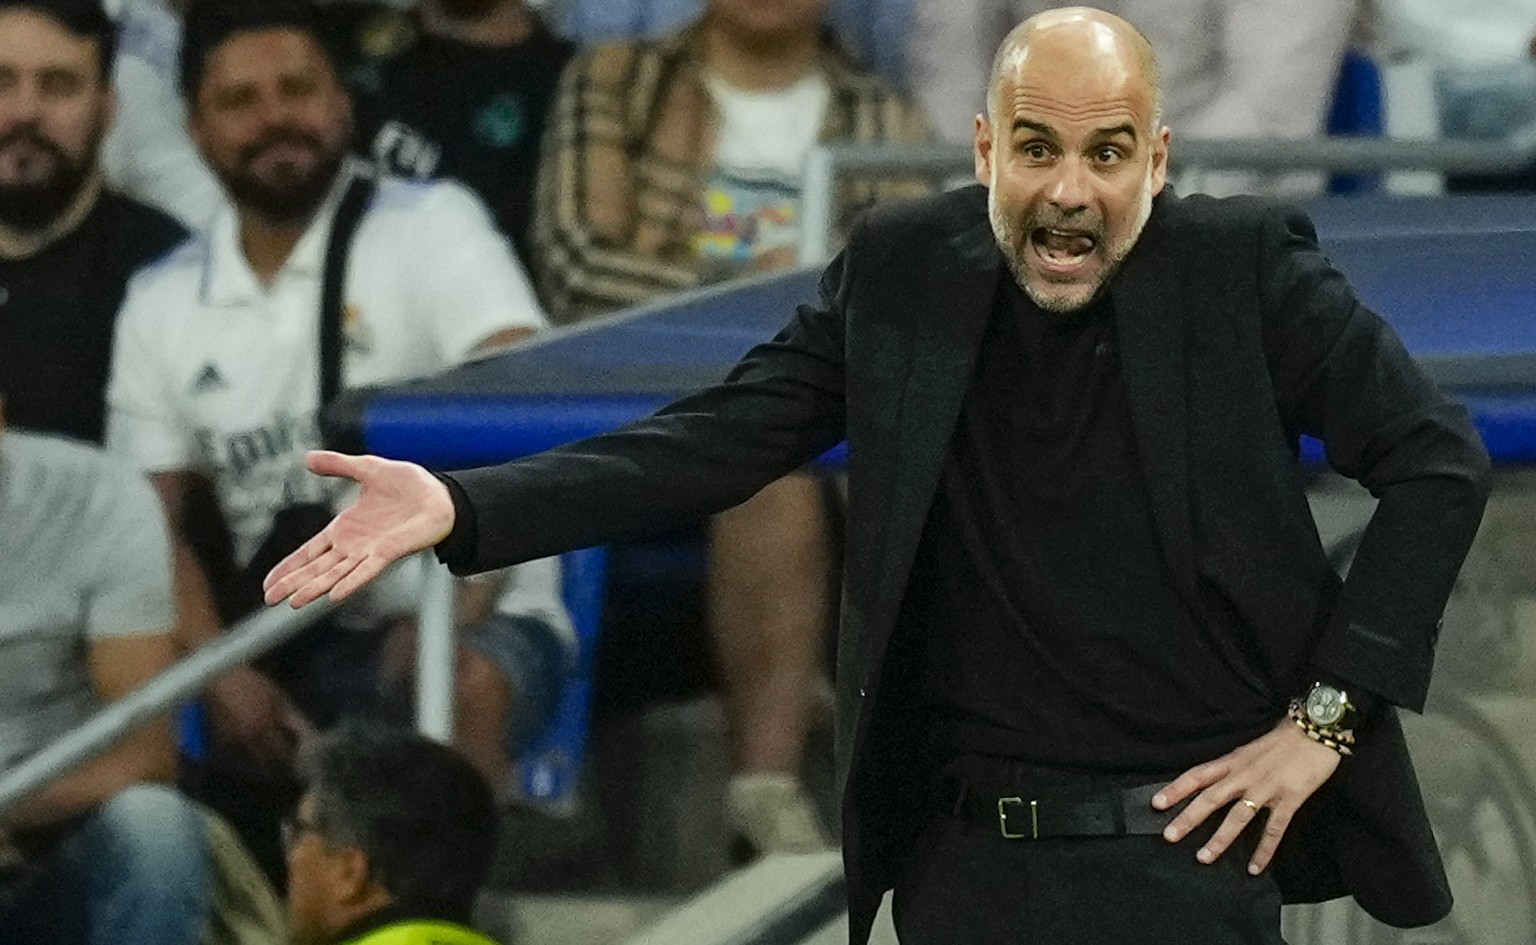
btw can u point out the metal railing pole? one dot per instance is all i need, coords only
(816, 202)
(828, 163)
(436, 649)
(246, 640)
(1353, 154)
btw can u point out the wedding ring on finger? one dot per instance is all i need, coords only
(1251, 805)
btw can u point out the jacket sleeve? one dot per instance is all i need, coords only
(780, 407)
(1341, 375)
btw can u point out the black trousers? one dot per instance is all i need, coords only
(965, 884)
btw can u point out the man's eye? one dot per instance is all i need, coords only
(234, 99)
(1108, 155)
(1036, 151)
(300, 87)
(61, 85)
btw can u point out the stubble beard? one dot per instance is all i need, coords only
(291, 198)
(1012, 241)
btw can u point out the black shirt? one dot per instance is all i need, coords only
(1051, 629)
(57, 313)
(429, 106)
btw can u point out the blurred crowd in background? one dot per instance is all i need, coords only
(216, 214)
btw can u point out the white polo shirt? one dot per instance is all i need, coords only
(213, 370)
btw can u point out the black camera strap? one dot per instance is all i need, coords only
(349, 213)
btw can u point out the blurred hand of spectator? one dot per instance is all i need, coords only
(256, 722)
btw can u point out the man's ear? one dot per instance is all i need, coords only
(350, 875)
(1160, 146)
(983, 148)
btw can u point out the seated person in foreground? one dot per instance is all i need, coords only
(390, 844)
(109, 852)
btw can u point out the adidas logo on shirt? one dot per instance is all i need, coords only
(208, 379)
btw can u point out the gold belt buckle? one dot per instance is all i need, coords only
(1003, 805)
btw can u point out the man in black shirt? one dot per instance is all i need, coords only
(1090, 639)
(455, 88)
(67, 246)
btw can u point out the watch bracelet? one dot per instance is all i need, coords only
(1337, 739)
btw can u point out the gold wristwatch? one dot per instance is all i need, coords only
(1327, 716)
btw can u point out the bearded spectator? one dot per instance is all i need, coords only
(68, 244)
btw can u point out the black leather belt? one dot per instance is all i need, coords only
(1115, 813)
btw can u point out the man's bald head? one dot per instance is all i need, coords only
(1072, 152)
(1077, 39)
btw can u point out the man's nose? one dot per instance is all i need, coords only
(22, 105)
(276, 111)
(1071, 189)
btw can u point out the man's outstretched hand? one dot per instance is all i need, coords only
(402, 509)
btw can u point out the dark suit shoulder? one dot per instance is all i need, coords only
(1222, 217)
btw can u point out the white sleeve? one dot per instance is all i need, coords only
(144, 424)
(466, 277)
(536, 589)
(1280, 62)
(130, 545)
(148, 154)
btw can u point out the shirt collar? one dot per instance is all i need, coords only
(395, 913)
(227, 276)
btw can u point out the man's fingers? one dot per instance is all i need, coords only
(367, 569)
(1195, 779)
(1237, 820)
(278, 583)
(299, 569)
(319, 583)
(1274, 830)
(1208, 801)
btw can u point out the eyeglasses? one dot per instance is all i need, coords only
(292, 826)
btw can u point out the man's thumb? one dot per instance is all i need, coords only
(328, 463)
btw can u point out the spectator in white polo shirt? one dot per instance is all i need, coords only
(217, 368)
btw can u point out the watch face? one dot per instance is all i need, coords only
(1325, 705)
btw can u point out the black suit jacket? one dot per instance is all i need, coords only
(1235, 335)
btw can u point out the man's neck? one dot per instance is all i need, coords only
(267, 244)
(759, 66)
(509, 23)
(22, 244)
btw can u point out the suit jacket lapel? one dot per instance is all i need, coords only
(1149, 320)
(949, 317)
